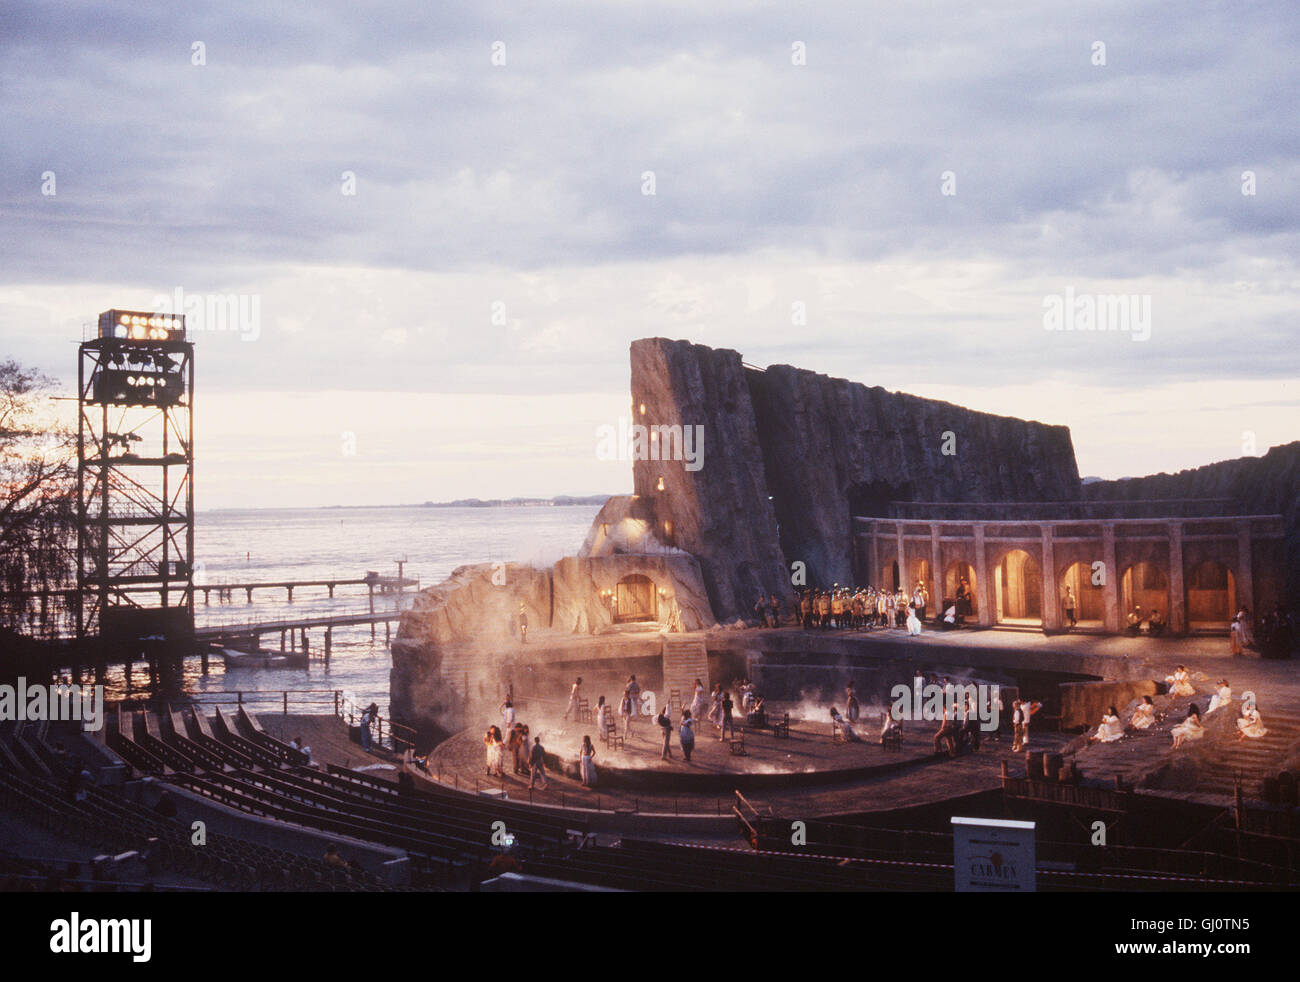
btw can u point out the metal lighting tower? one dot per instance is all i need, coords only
(135, 484)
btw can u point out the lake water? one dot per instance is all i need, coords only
(345, 543)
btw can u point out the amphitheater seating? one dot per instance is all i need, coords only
(149, 736)
(121, 740)
(251, 730)
(442, 826)
(108, 822)
(199, 730)
(173, 730)
(227, 734)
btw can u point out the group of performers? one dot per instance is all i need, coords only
(1249, 724)
(1155, 623)
(863, 608)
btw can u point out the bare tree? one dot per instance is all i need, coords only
(37, 501)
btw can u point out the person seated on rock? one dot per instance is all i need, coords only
(1110, 730)
(1250, 724)
(1181, 682)
(1144, 716)
(1188, 729)
(1221, 698)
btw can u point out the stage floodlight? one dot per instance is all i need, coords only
(141, 325)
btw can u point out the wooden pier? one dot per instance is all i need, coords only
(384, 584)
(248, 636)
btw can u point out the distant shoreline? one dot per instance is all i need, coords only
(559, 501)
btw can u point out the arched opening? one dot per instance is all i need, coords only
(1086, 596)
(1211, 595)
(1144, 589)
(1018, 589)
(957, 577)
(635, 600)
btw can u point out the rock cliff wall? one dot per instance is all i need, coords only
(833, 449)
(789, 456)
(720, 512)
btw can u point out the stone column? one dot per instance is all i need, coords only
(982, 579)
(1110, 590)
(1245, 581)
(902, 557)
(1051, 599)
(874, 576)
(1177, 588)
(936, 569)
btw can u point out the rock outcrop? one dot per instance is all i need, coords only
(454, 647)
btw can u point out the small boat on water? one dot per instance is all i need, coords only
(263, 658)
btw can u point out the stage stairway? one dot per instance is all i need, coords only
(685, 660)
(1224, 761)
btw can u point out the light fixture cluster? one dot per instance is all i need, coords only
(139, 325)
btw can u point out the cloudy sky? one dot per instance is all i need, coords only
(441, 213)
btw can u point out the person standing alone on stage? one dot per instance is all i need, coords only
(1068, 603)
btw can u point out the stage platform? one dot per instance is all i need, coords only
(806, 774)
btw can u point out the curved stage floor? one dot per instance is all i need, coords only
(807, 771)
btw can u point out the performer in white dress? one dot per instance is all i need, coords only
(1144, 716)
(1235, 633)
(1247, 631)
(1181, 682)
(1221, 698)
(850, 735)
(1110, 730)
(572, 708)
(913, 622)
(1188, 729)
(602, 718)
(587, 758)
(715, 708)
(700, 702)
(888, 726)
(1251, 724)
(747, 696)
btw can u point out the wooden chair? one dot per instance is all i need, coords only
(584, 712)
(611, 736)
(738, 743)
(893, 740)
(781, 728)
(837, 734)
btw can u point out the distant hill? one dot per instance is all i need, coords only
(559, 501)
